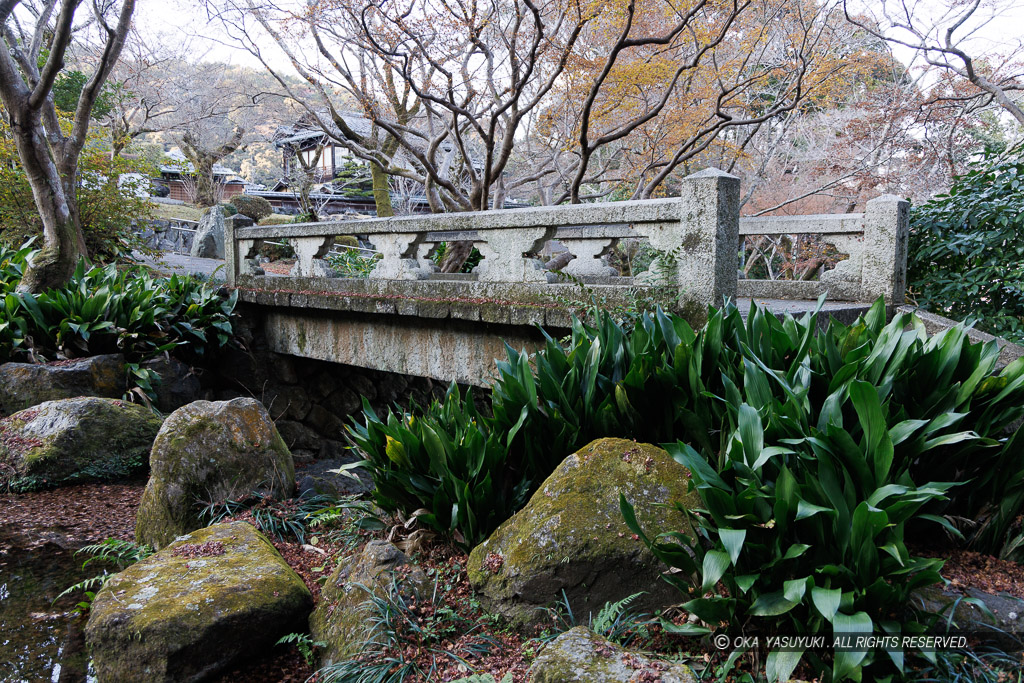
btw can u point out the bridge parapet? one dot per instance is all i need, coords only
(697, 236)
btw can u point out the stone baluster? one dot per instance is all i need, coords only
(504, 254)
(426, 264)
(399, 252)
(248, 257)
(588, 253)
(309, 254)
(700, 254)
(843, 282)
(884, 251)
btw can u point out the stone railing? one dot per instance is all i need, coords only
(875, 243)
(698, 235)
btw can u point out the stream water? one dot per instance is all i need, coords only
(39, 640)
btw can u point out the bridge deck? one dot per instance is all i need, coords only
(548, 305)
(448, 330)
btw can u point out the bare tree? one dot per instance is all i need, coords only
(204, 156)
(941, 32)
(48, 154)
(148, 85)
(450, 89)
(303, 175)
(215, 117)
(703, 82)
(445, 94)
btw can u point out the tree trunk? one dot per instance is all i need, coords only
(48, 155)
(455, 256)
(381, 191)
(206, 194)
(203, 160)
(305, 202)
(56, 202)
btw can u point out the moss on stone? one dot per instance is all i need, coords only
(23, 385)
(341, 616)
(210, 452)
(174, 617)
(581, 656)
(571, 536)
(75, 440)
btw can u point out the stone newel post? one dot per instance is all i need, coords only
(230, 254)
(703, 247)
(884, 255)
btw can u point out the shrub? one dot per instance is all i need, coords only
(275, 220)
(815, 455)
(276, 251)
(12, 266)
(108, 207)
(828, 459)
(103, 310)
(228, 209)
(966, 252)
(352, 263)
(807, 535)
(254, 207)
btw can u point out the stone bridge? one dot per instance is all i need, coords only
(408, 318)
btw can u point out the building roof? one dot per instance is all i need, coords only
(307, 129)
(180, 164)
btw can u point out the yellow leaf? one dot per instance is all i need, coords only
(396, 452)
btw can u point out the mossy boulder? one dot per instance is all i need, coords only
(74, 440)
(341, 617)
(23, 385)
(571, 536)
(1001, 620)
(582, 656)
(209, 452)
(209, 599)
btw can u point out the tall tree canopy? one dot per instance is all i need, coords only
(475, 100)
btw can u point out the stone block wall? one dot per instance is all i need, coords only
(310, 400)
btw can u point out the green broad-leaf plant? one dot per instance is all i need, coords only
(107, 310)
(439, 464)
(831, 448)
(966, 250)
(660, 381)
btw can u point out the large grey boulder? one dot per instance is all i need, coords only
(341, 616)
(208, 452)
(1001, 620)
(209, 599)
(571, 536)
(579, 655)
(74, 440)
(23, 385)
(178, 385)
(208, 241)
